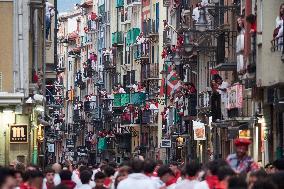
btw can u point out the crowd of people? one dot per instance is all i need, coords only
(238, 171)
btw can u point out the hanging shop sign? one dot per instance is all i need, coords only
(235, 97)
(70, 143)
(166, 3)
(199, 130)
(244, 133)
(82, 151)
(18, 133)
(50, 147)
(166, 143)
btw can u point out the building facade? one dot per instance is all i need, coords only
(170, 80)
(22, 70)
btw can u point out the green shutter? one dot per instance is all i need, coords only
(102, 145)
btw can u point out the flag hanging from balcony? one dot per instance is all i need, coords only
(171, 83)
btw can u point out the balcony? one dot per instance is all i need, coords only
(150, 28)
(145, 117)
(119, 3)
(132, 3)
(131, 36)
(109, 65)
(150, 71)
(277, 45)
(117, 39)
(121, 100)
(150, 117)
(226, 52)
(142, 53)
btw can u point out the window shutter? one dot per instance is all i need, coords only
(157, 17)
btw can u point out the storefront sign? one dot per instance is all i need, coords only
(235, 96)
(244, 133)
(50, 147)
(166, 3)
(70, 143)
(82, 151)
(166, 143)
(19, 133)
(199, 130)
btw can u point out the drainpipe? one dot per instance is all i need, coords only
(35, 41)
(247, 49)
(35, 66)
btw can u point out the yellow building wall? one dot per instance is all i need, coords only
(6, 45)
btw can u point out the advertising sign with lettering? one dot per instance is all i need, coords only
(18, 133)
(199, 130)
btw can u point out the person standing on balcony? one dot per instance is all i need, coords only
(48, 14)
(278, 31)
(195, 12)
(240, 45)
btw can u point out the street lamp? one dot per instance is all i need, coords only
(201, 24)
(177, 58)
(188, 45)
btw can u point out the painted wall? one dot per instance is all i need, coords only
(270, 68)
(6, 45)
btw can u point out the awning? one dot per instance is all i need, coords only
(226, 66)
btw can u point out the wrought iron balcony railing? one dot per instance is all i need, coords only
(277, 44)
(150, 71)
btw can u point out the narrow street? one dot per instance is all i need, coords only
(173, 89)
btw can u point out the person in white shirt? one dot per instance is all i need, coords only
(279, 26)
(192, 170)
(57, 168)
(164, 175)
(85, 177)
(137, 179)
(195, 12)
(48, 14)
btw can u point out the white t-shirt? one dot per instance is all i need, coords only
(48, 9)
(187, 184)
(223, 94)
(201, 185)
(195, 13)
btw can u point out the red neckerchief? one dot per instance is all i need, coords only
(69, 183)
(212, 181)
(107, 182)
(26, 186)
(49, 186)
(173, 179)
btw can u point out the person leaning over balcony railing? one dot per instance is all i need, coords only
(278, 31)
(195, 12)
